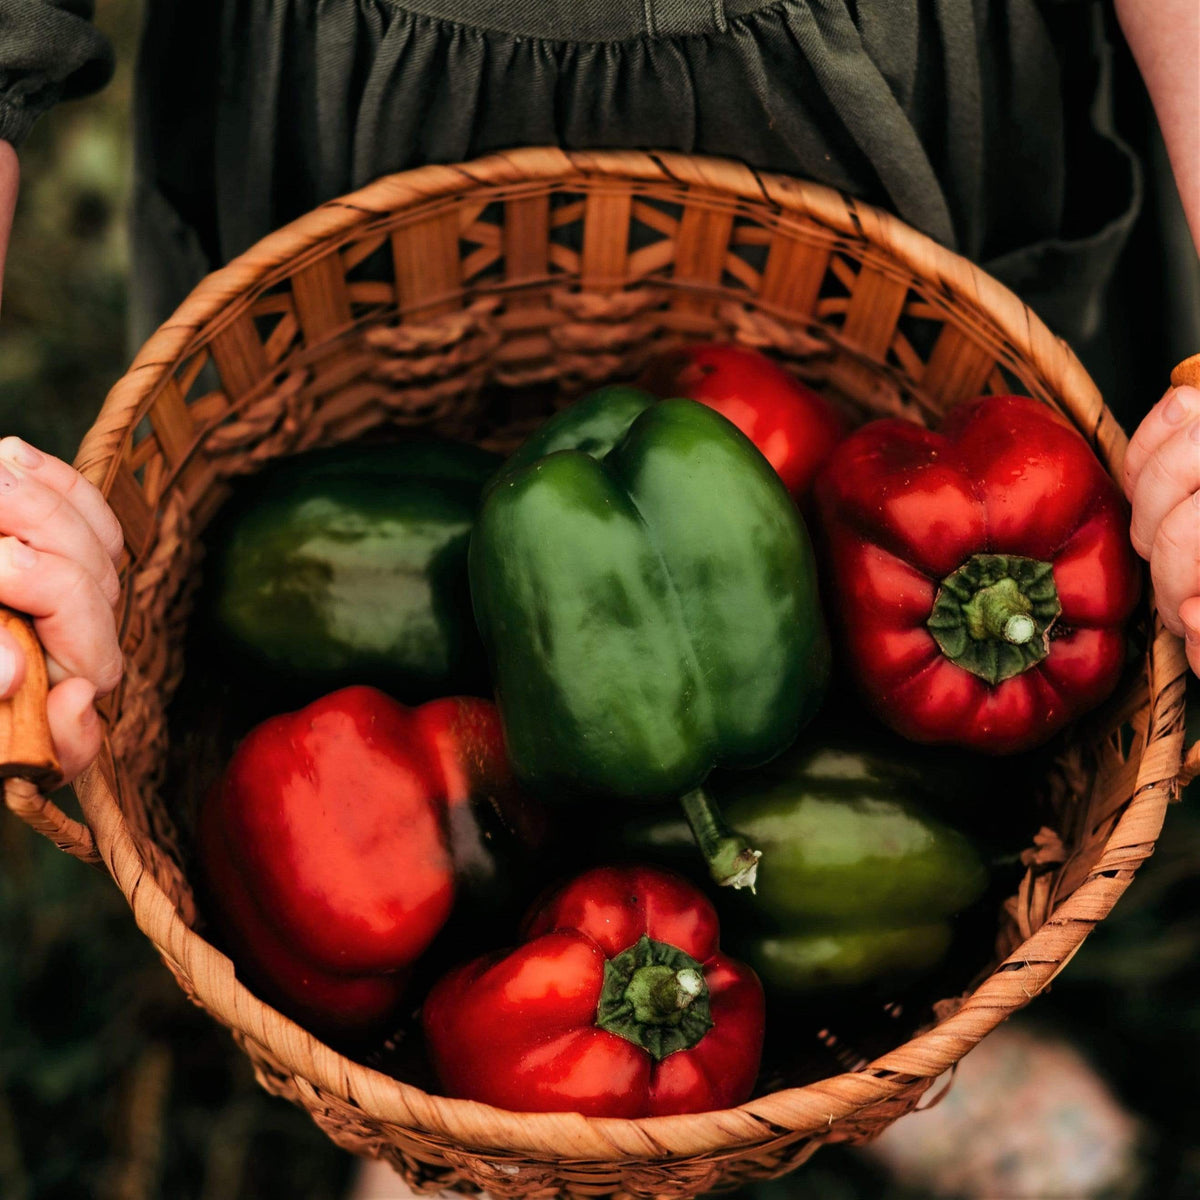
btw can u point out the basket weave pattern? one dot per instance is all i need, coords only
(401, 304)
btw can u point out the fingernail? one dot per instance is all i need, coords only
(1191, 636)
(1176, 410)
(25, 455)
(8, 480)
(20, 555)
(8, 668)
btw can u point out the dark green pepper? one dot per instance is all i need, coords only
(349, 565)
(594, 424)
(858, 881)
(649, 613)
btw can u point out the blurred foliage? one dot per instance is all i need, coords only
(1131, 997)
(113, 1087)
(62, 338)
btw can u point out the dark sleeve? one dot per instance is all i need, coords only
(49, 51)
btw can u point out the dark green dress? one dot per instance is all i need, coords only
(984, 123)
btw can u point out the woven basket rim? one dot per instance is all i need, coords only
(570, 1136)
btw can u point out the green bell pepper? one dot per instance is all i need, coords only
(858, 881)
(594, 424)
(650, 610)
(349, 565)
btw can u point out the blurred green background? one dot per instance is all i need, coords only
(113, 1086)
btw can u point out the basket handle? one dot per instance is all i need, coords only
(1187, 373)
(28, 764)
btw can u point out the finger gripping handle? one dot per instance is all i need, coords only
(1187, 373)
(28, 763)
(1191, 765)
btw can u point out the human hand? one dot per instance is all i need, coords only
(1162, 481)
(59, 544)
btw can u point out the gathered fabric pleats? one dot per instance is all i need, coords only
(983, 123)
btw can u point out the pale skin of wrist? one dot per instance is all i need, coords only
(10, 174)
(1164, 36)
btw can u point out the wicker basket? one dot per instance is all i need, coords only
(398, 305)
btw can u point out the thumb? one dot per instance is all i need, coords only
(12, 664)
(74, 724)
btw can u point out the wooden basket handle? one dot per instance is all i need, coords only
(1188, 373)
(28, 764)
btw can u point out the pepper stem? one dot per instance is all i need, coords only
(1000, 611)
(731, 860)
(1018, 629)
(659, 995)
(995, 614)
(655, 996)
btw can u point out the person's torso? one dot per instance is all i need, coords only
(965, 117)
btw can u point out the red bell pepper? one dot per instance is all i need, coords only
(332, 846)
(982, 574)
(794, 427)
(618, 1004)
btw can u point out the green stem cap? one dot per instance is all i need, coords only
(993, 615)
(654, 995)
(731, 860)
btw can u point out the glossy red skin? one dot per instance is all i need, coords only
(325, 846)
(517, 1030)
(794, 427)
(901, 507)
